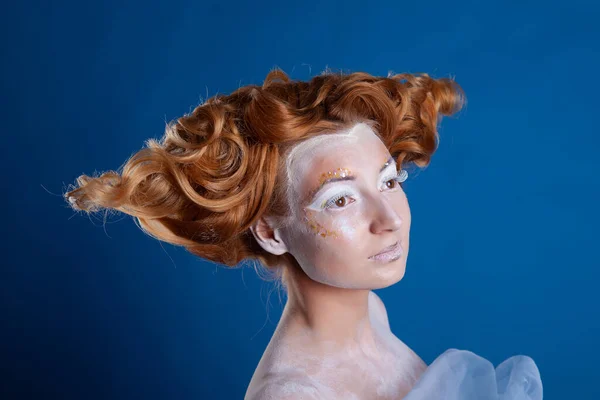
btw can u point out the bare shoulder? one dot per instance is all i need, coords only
(286, 387)
(379, 309)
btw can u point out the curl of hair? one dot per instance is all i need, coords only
(218, 169)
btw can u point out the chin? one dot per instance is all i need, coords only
(391, 276)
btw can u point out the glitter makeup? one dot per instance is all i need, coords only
(317, 228)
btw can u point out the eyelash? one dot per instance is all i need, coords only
(399, 178)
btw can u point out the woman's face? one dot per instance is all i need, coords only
(346, 208)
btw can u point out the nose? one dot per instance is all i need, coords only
(385, 217)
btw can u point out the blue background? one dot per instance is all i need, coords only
(504, 227)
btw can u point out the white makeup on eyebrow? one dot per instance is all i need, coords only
(391, 166)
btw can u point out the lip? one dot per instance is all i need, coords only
(390, 253)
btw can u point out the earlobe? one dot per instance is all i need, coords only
(268, 237)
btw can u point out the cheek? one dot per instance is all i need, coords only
(331, 247)
(404, 210)
(349, 225)
(318, 226)
(335, 227)
(341, 230)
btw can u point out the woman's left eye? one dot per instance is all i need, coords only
(397, 180)
(391, 183)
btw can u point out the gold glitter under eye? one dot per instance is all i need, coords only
(317, 228)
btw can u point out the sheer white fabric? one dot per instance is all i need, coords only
(454, 375)
(463, 375)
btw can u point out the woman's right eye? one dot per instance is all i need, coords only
(339, 201)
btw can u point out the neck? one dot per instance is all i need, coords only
(327, 317)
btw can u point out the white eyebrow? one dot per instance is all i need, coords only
(387, 167)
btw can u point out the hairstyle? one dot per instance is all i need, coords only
(220, 168)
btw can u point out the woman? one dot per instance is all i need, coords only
(306, 177)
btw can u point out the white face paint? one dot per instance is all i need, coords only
(337, 226)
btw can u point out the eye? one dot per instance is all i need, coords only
(391, 183)
(339, 201)
(396, 181)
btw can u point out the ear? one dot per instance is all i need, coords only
(268, 236)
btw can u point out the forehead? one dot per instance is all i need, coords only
(358, 147)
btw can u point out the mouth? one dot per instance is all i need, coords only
(388, 254)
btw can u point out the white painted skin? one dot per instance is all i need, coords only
(333, 340)
(375, 217)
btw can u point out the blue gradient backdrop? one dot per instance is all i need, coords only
(504, 224)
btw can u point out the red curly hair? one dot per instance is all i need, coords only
(219, 169)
